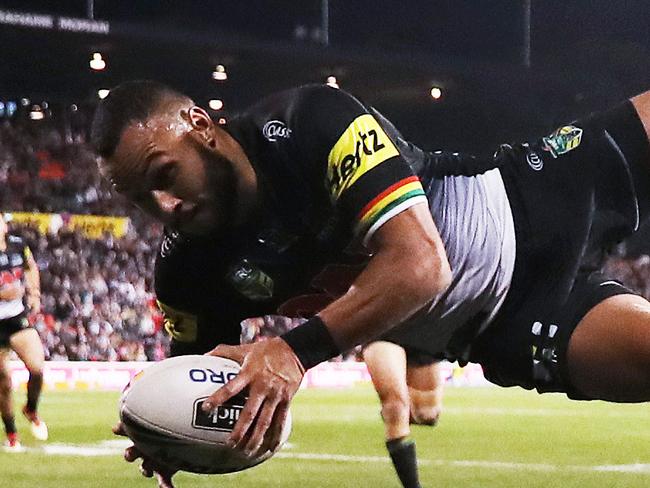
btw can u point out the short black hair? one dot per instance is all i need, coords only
(131, 101)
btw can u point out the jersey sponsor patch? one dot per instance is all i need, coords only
(362, 146)
(563, 140)
(388, 203)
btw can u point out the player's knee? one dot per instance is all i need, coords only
(426, 406)
(35, 370)
(395, 410)
(425, 415)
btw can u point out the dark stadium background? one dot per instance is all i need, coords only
(508, 69)
(584, 54)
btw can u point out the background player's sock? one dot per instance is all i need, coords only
(34, 386)
(10, 424)
(402, 453)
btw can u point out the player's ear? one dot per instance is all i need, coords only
(202, 124)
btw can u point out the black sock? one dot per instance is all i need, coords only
(10, 424)
(402, 453)
(34, 386)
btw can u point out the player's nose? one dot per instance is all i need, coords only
(165, 201)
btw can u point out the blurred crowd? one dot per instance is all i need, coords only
(47, 169)
(96, 294)
(97, 298)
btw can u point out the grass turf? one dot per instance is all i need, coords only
(487, 437)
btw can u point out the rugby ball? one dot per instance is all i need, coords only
(161, 413)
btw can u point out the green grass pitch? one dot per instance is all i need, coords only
(487, 437)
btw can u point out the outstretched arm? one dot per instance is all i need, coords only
(408, 269)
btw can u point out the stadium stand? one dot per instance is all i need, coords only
(97, 302)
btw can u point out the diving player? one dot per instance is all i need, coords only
(465, 259)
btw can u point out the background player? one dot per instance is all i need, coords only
(410, 389)
(19, 286)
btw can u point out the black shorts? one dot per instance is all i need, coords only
(10, 326)
(580, 189)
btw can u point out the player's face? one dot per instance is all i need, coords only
(168, 170)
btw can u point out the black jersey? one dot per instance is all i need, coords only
(329, 176)
(13, 261)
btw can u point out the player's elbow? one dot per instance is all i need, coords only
(431, 276)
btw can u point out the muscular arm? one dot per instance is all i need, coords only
(408, 269)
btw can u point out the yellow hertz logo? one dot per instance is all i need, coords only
(182, 326)
(362, 146)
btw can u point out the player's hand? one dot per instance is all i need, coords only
(272, 374)
(148, 468)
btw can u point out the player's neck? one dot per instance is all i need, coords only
(248, 200)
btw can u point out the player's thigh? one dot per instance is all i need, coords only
(27, 345)
(608, 355)
(386, 364)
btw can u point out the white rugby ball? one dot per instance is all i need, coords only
(161, 413)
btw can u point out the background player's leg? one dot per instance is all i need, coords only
(29, 348)
(387, 366)
(6, 405)
(426, 388)
(609, 351)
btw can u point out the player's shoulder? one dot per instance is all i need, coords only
(318, 98)
(309, 101)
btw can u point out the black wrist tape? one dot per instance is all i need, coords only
(311, 342)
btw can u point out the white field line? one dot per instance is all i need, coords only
(116, 447)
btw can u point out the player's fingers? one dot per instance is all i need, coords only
(274, 436)
(131, 454)
(261, 427)
(119, 429)
(164, 480)
(236, 353)
(227, 391)
(246, 418)
(146, 470)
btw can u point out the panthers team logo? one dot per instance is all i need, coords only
(563, 140)
(250, 281)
